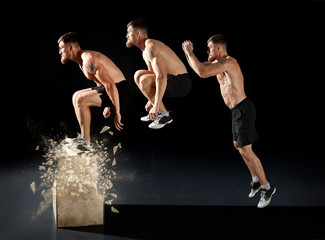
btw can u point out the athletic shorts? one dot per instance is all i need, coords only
(122, 88)
(243, 123)
(178, 86)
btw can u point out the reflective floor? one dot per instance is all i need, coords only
(163, 195)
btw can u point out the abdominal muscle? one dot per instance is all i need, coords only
(231, 94)
(231, 98)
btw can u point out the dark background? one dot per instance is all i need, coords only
(278, 47)
(190, 163)
(273, 43)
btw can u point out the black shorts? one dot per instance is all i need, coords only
(243, 123)
(178, 86)
(122, 88)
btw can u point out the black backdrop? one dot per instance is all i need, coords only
(270, 41)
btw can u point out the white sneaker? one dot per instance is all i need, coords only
(79, 145)
(161, 121)
(255, 187)
(79, 141)
(146, 119)
(266, 196)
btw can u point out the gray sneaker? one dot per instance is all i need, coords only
(78, 141)
(266, 196)
(255, 187)
(146, 119)
(161, 121)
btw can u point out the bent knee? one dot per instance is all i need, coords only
(74, 98)
(81, 100)
(142, 77)
(145, 81)
(137, 76)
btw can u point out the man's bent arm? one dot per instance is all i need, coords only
(158, 67)
(195, 64)
(161, 79)
(111, 89)
(206, 69)
(105, 79)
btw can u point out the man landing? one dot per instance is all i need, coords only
(110, 81)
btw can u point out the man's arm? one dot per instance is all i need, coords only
(206, 69)
(105, 79)
(149, 65)
(158, 67)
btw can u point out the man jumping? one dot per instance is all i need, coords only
(111, 85)
(166, 75)
(231, 81)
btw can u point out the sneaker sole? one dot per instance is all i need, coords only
(268, 202)
(160, 125)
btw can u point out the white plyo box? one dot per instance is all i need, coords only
(76, 201)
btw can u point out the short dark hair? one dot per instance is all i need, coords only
(139, 23)
(70, 37)
(218, 39)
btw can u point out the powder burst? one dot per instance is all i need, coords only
(76, 176)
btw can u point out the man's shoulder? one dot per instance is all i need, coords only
(150, 48)
(231, 59)
(152, 44)
(95, 58)
(89, 55)
(228, 61)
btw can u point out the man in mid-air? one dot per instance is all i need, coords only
(228, 73)
(166, 75)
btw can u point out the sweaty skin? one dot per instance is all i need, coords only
(104, 72)
(100, 69)
(161, 60)
(156, 50)
(231, 81)
(225, 68)
(95, 62)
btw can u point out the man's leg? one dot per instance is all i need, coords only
(253, 162)
(255, 167)
(146, 81)
(74, 101)
(82, 100)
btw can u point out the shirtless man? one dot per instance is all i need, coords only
(110, 81)
(166, 75)
(231, 81)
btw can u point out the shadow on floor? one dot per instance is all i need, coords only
(183, 222)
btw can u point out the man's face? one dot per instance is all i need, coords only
(131, 37)
(64, 52)
(212, 51)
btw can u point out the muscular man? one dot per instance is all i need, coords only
(110, 81)
(166, 75)
(231, 81)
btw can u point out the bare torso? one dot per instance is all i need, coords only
(103, 63)
(232, 84)
(172, 63)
